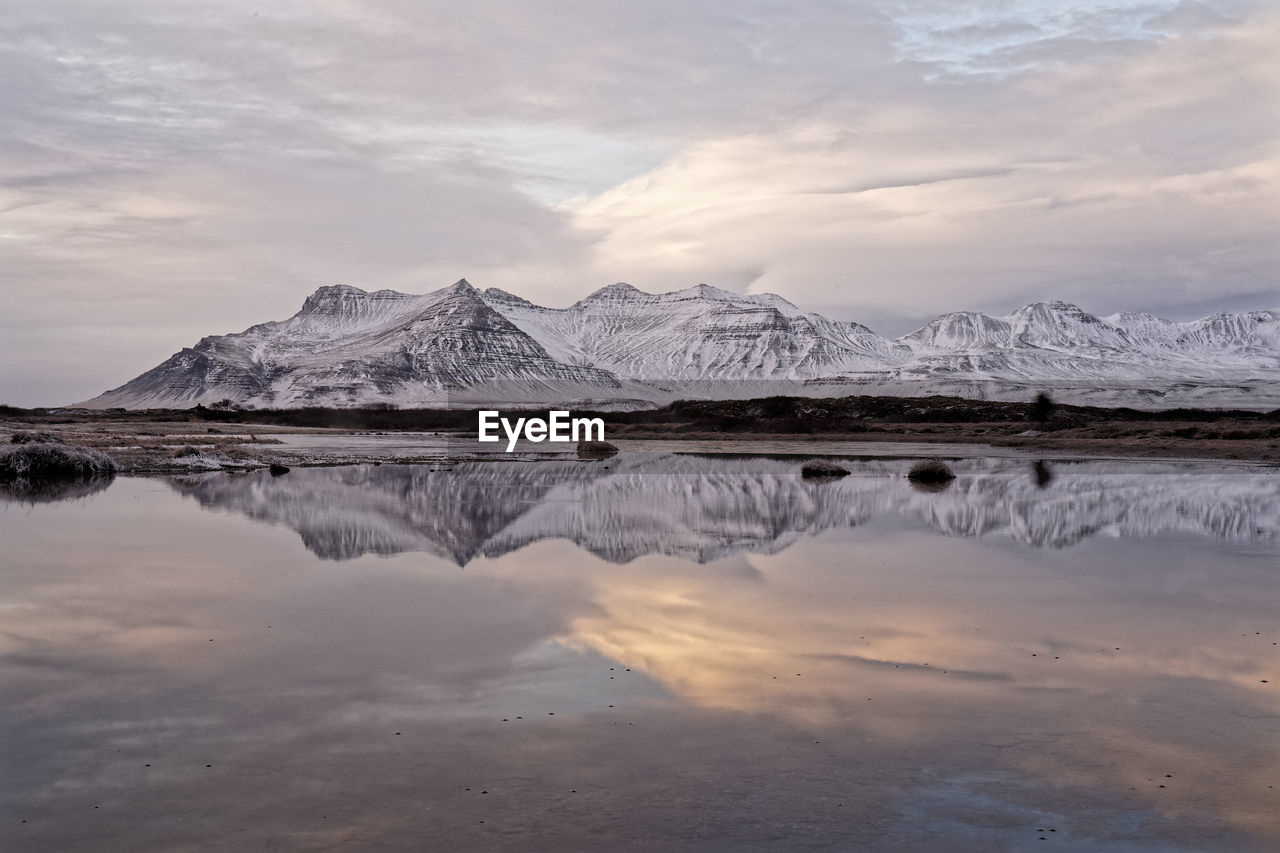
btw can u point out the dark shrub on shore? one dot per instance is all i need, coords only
(822, 469)
(931, 472)
(41, 461)
(1041, 409)
(596, 449)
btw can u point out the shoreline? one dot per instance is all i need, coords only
(144, 447)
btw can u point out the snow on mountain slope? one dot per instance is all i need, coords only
(1058, 341)
(622, 347)
(1063, 326)
(1252, 331)
(960, 331)
(1147, 331)
(348, 347)
(698, 333)
(1252, 337)
(1058, 326)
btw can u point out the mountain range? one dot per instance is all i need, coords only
(621, 347)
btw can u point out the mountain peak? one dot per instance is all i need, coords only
(345, 300)
(619, 288)
(328, 297)
(1055, 312)
(959, 331)
(706, 291)
(497, 294)
(331, 291)
(617, 292)
(1055, 306)
(1063, 326)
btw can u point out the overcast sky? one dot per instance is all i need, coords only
(171, 169)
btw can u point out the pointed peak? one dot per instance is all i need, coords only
(460, 289)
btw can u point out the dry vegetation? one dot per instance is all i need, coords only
(141, 443)
(170, 441)
(43, 458)
(38, 467)
(1087, 430)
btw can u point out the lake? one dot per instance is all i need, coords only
(657, 651)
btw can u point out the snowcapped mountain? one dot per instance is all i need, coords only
(348, 347)
(1130, 359)
(1249, 335)
(623, 347)
(699, 333)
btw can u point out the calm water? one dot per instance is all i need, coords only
(657, 652)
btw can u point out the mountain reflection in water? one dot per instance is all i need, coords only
(180, 676)
(703, 508)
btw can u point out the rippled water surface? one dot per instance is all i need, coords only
(658, 652)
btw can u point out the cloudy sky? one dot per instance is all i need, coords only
(170, 169)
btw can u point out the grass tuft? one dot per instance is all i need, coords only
(39, 461)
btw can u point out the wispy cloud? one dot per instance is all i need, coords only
(171, 169)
